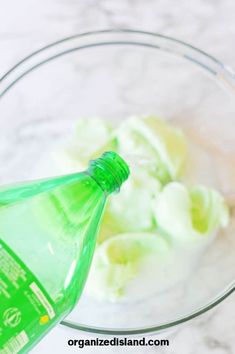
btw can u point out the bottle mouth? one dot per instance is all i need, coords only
(110, 171)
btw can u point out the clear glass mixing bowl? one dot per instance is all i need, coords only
(114, 74)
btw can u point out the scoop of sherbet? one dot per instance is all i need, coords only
(209, 209)
(131, 210)
(119, 260)
(188, 213)
(153, 138)
(91, 138)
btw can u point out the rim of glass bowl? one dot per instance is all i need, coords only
(222, 73)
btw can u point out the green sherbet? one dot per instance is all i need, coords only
(91, 138)
(132, 209)
(209, 209)
(188, 213)
(153, 138)
(147, 137)
(118, 260)
(91, 135)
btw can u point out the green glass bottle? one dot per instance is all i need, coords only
(47, 238)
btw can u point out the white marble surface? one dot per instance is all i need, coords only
(209, 24)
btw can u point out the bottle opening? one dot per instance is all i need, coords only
(109, 171)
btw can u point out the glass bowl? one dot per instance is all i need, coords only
(113, 74)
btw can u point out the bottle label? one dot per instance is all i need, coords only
(26, 310)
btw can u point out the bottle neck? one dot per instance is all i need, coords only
(109, 171)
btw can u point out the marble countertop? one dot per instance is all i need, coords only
(208, 24)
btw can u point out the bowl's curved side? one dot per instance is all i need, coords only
(114, 37)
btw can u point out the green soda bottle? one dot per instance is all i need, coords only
(47, 238)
